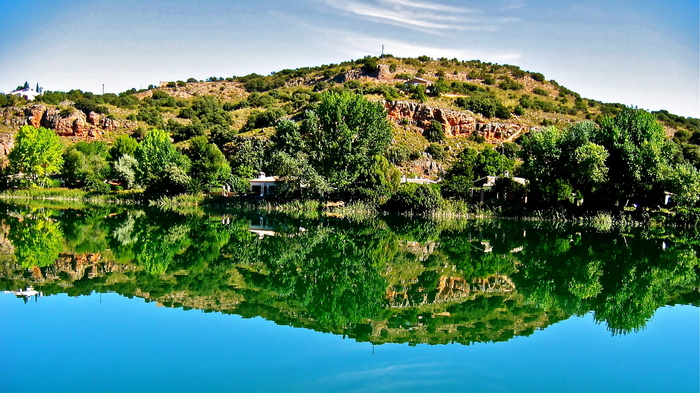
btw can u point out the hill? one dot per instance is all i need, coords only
(473, 101)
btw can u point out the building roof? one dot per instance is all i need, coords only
(418, 81)
(28, 93)
(490, 181)
(419, 180)
(264, 179)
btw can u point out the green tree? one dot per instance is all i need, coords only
(296, 177)
(379, 181)
(435, 132)
(489, 162)
(123, 145)
(344, 133)
(640, 154)
(85, 165)
(37, 153)
(161, 168)
(209, 166)
(416, 198)
(460, 177)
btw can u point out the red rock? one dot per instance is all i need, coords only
(455, 123)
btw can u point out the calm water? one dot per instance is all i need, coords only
(133, 300)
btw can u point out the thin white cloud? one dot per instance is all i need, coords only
(513, 5)
(428, 6)
(432, 18)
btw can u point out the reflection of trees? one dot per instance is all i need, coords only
(623, 280)
(412, 281)
(329, 273)
(37, 239)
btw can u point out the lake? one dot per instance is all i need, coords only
(114, 299)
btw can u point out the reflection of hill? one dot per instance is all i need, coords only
(414, 282)
(484, 315)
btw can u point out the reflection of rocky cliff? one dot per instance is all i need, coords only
(394, 281)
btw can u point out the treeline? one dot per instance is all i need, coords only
(341, 149)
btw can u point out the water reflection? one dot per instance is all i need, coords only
(381, 281)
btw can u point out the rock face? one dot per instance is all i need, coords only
(76, 124)
(455, 123)
(7, 142)
(383, 72)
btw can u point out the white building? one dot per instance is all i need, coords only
(28, 94)
(263, 185)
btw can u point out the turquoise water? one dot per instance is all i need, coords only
(110, 343)
(149, 301)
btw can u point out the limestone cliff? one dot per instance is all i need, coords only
(75, 125)
(455, 123)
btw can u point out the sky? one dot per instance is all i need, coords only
(642, 53)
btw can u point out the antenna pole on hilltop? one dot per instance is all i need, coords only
(382, 50)
(103, 89)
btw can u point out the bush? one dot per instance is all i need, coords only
(413, 198)
(537, 76)
(435, 132)
(540, 91)
(436, 151)
(87, 105)
(398, 154)
(509, 84)
(266, 118)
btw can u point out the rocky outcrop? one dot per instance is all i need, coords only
(13, 117)
(455, 123)
(76, 124)
(383, 72)
(352, 74)
(7, 142)
(425, 167)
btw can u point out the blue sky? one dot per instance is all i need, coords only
(642, 53)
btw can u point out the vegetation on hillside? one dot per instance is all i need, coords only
(321, 131)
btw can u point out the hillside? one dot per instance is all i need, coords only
(474, 101)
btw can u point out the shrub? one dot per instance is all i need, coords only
(266, 118)
(509, 84)
(398, 154)
(540, 91)
(436, 151)
(413, 198)
(537, 76)
(435, 132)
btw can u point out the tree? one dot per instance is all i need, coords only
(37, 153)
(379, 181)
(296, 177)
(344, 133)
(461, 175)
(85, 165)
(416, 198)
(123, 145)
(640, 157)
(125, 171)
(160, 167)
(209, 167)
(489, 162)
(435, 132)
